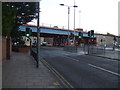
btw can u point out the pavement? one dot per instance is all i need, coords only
(20, 72)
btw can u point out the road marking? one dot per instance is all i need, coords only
(71, 58)
(104, 69)
(56, 84)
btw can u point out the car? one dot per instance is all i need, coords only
(46, 44)
(117, 45)
(43, 43)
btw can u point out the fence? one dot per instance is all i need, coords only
(70, 48)
(109, 52)
(33, 53)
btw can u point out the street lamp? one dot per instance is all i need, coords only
(79, 19)
(74, 21)
(68, 19)
(68, 14)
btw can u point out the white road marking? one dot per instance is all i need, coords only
(104, 69)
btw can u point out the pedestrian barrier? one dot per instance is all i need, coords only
(34, 54)
(70, 48)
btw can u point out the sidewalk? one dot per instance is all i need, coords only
(20, 72)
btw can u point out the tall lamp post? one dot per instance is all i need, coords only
(68, 19)
(68, 15)
(79, 19)
(74, 21)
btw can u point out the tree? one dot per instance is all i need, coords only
(15, 14)
(8, 19)
(26, 11)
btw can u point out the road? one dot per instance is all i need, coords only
(83, 71)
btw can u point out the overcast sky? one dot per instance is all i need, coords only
(98, 15)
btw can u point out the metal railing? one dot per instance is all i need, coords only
(34, 54)
(70, 48)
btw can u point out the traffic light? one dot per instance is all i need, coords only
(80, 35)
(28, 32)
(89, 33)
(115, 39)
(92, 33)
(71, 35)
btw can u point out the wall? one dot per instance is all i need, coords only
(3, 44)
(6, 48)
(49, 40)
(107, 39)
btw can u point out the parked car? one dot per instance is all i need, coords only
(43, 43)
(49, 44)
(46, 44)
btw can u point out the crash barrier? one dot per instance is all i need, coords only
(70, 48)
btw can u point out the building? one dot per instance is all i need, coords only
(107, 39)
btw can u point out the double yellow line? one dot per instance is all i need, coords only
(57, 74)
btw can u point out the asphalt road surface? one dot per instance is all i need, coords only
(83, 71)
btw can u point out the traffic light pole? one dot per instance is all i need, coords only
(30, 44)
(38, 35)
(90, 34)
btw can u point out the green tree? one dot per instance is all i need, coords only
(26, 11)
(15, 14)
(8, 19)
